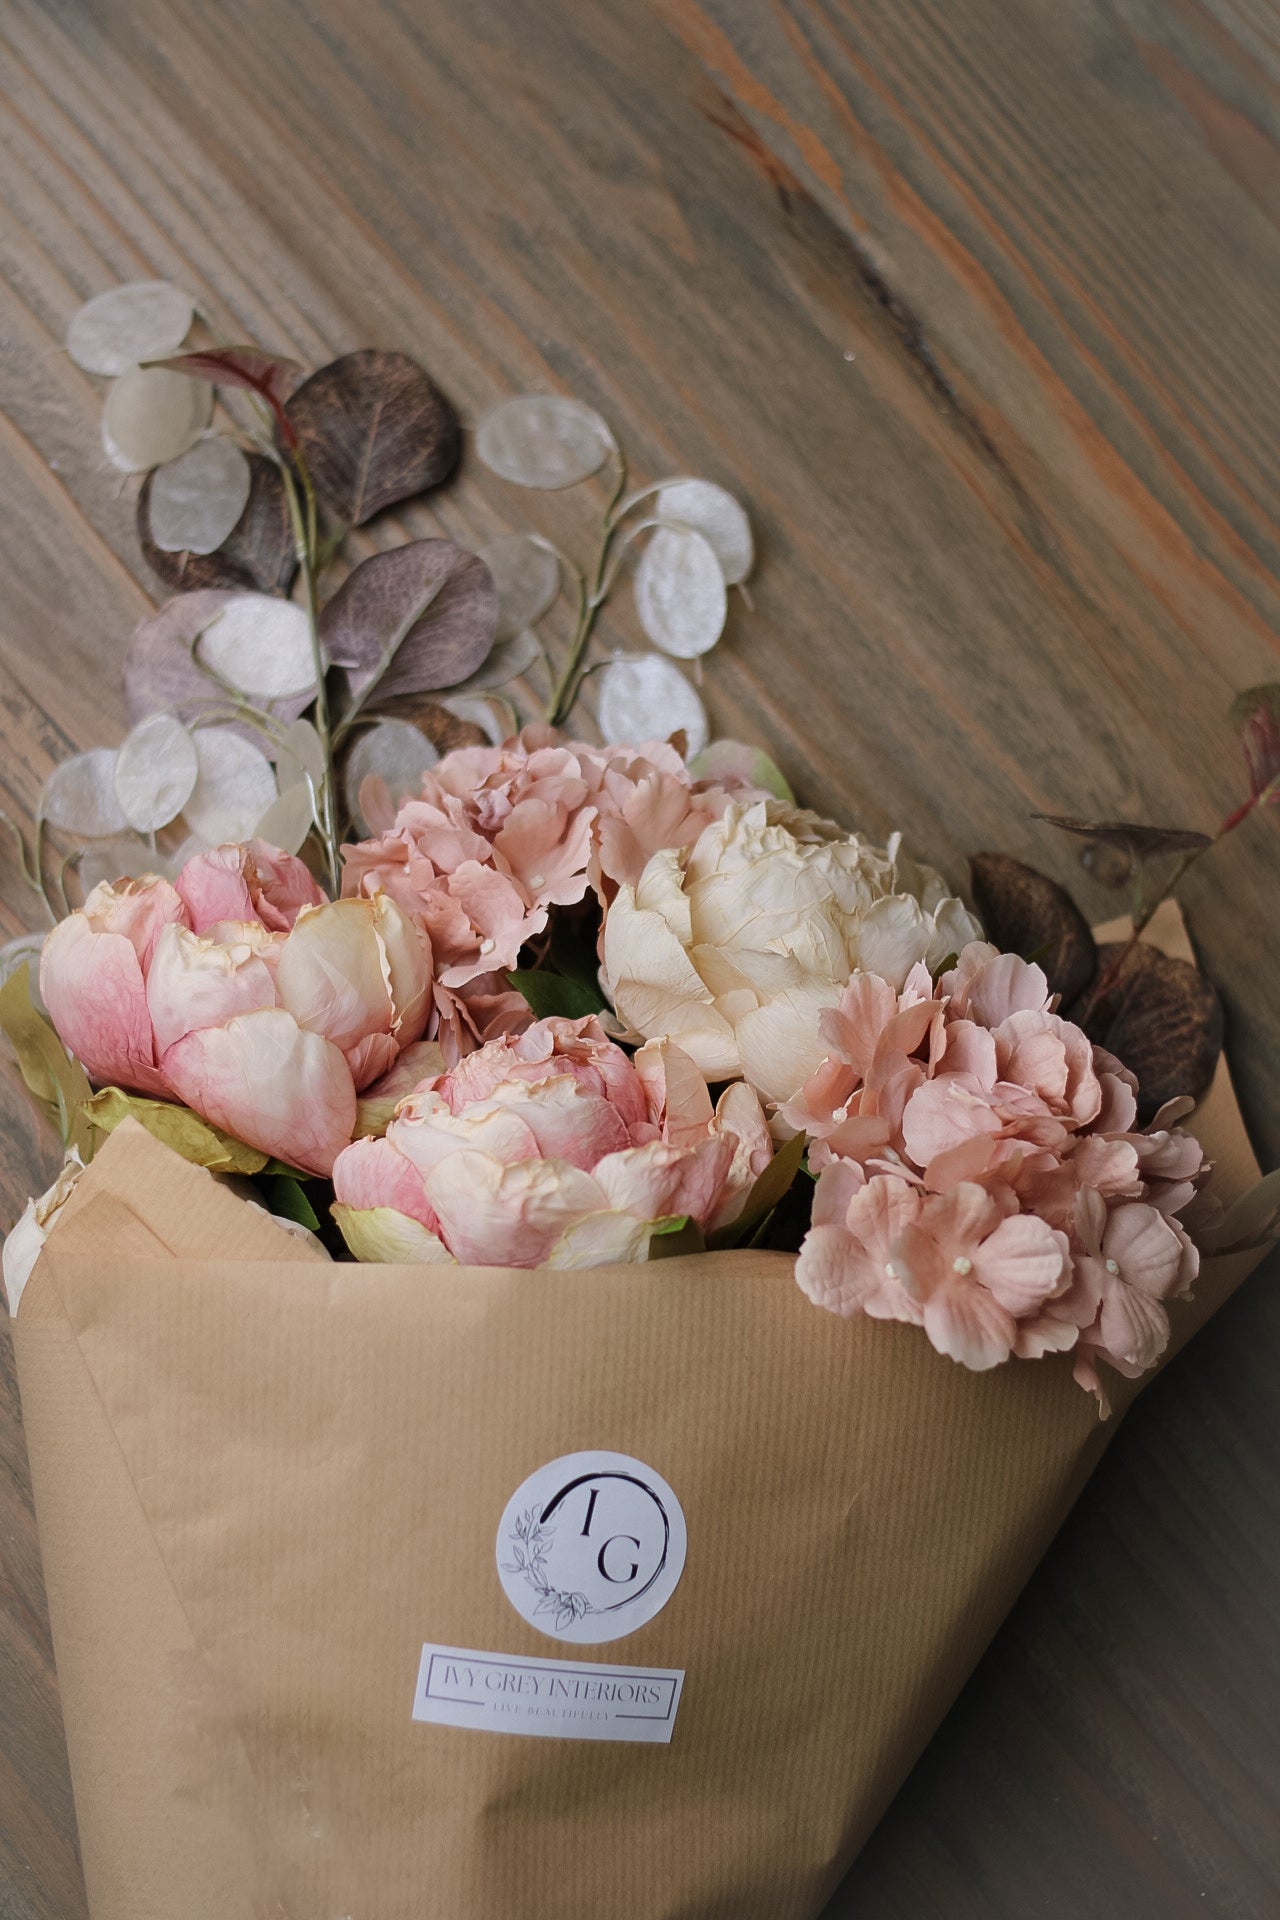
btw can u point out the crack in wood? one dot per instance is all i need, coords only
(905, 326)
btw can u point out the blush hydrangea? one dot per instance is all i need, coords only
(981, 1174)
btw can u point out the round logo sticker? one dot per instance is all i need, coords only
(591, 1546)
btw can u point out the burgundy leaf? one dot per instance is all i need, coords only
(1255, 715)
(1024, 911)
(161, 676)
(269, 375)
(374, 428)
(258, 554)
(1162, 1019)
(414, 619)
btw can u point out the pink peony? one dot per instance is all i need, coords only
(499, 835)
(550, 1147)
(980, 1173)
(266, 1021)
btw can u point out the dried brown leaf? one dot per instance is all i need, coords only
(1139, 842)
(1163, 1019)
(411, 620)
(1024, 911)
(161, 676)
(258, 553)
(374, 428)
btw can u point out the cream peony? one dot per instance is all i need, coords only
(734, 947)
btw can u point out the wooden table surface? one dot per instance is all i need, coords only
(974, 302)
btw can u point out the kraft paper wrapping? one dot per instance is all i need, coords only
(264, 1481)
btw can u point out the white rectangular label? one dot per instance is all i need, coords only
(562, 1699)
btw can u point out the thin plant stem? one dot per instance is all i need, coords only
(590, 601)
(1145, 911)
(303, 519)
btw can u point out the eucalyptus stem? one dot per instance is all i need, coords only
(591, 597)
(1145, 912)
(304, 519)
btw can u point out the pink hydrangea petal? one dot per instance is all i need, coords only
(970, 1049)
(836, 1185)
(967, 1324)
(1022, 1263)
(943, 1114)
(1109, 1165)
(999, 984)
(1133, 1328)
(1145, 1247)
(837, 1272)
(852, 1028)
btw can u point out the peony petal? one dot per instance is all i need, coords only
(382, 1234)
(675, 1090)
(659, 993)
(893, 935)
(661, 1182)
(602, 1240)
(269, 1083)
(778, 1044)
(421, 1062)
(196, 982)
(331, 976)
(92, 985)
(508, 1216)
(373, 1173)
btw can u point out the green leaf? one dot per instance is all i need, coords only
(769, 1189)
(177, 1127)
(283, 1196)
(551, 993)
(730, 759)
(670, 1238)
(52, 1077)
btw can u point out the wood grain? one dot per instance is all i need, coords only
(973, 301)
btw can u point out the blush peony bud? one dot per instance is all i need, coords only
(266, 1019)
(549, 1148)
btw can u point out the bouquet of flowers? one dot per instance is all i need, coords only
(496, 1163)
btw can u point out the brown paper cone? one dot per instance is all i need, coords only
(264, 1483)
